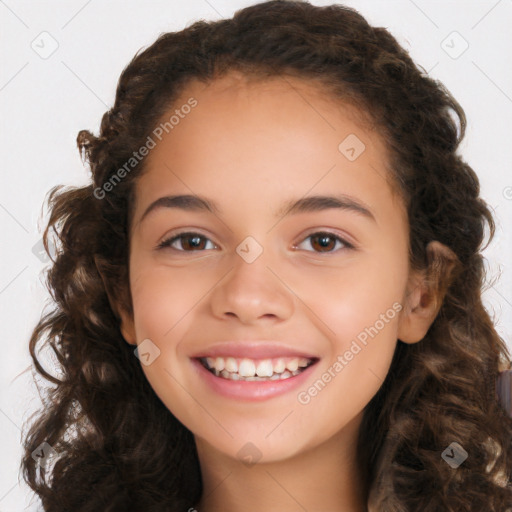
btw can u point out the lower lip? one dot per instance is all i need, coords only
(252, 391)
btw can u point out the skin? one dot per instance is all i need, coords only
(251, 146)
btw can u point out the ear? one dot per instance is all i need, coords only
(425, 293)
(120, 309)
(127, 327)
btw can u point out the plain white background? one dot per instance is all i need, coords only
(45, 99)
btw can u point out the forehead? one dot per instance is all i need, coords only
(272, 136)
(246, 90)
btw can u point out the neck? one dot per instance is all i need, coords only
(324, 478)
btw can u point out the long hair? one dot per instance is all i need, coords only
(117, 447)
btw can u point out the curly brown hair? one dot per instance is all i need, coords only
(119, 448)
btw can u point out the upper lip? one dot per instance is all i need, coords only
(252, 350)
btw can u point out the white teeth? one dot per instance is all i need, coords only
(231, 365)
(246, 368)
(264, 368)
(292, 365)
(261, 368)
(279, 366)
(256, 370)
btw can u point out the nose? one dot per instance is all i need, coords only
(252, 293)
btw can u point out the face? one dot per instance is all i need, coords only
(309, 299)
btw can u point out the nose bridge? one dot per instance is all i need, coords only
(251, 289)
(250, 270)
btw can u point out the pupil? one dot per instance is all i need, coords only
(325, 241)
(193, 242)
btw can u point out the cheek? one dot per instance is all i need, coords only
(344, 302)
(162, 308)
(165, 303)
(363, 338)
(163, 299)
(357, 309)
(344, 387)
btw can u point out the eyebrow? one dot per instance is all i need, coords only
(195, 203)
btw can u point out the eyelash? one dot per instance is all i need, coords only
(169, 241)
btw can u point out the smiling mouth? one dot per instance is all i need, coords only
(245, 369)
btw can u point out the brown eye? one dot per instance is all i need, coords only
(192, 242)
(324, 241)
(189, 242)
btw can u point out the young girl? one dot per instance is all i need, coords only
(269, 296)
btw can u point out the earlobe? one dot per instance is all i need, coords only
(418, 314)
(127, 328)
(425, 293)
